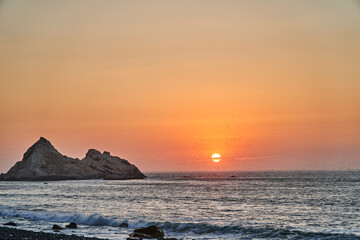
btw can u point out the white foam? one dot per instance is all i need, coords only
(93, 219)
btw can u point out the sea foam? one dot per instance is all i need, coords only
(93, 219)
(182, 228)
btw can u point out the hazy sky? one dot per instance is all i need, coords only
(165, 84)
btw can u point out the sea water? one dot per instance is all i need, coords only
(205, 205)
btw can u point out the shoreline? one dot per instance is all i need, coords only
(12, 233)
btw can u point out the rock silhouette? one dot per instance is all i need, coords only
(148, 232)
(71, 225)
(11, 224)
(57, 227)
(42, 162)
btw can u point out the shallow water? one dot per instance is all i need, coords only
(232, 205)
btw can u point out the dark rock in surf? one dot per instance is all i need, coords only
(124, 225)
(71, 225)
(11, 224)
(140, 235)
(42, 162)
(57, 227)
(152, 231)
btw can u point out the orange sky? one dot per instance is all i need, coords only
(270, 85)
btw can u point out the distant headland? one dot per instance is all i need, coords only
(42, 162)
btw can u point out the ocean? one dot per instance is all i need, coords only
(202, 205)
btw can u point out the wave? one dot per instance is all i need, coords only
(93, 219)
(249, 231)
(184, 229)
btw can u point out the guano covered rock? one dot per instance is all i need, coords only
(42, 162)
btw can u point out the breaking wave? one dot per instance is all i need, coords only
(93, 219)
(250, 231)
(178, 228)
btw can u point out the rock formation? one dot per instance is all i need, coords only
(147, 233)
(43, 162)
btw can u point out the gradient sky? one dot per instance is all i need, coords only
(270, 85)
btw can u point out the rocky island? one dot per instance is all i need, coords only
(42, 162)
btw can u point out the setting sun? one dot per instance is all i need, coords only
(216, 157)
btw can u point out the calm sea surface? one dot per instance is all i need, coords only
(236, 205)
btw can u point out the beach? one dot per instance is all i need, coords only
(11, 233)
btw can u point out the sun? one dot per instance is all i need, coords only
(216, 157)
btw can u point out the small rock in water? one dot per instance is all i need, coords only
(57, 227)
(140, 235)
(11, 224)
(152, 231)
(124, 225)
(71, 225)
